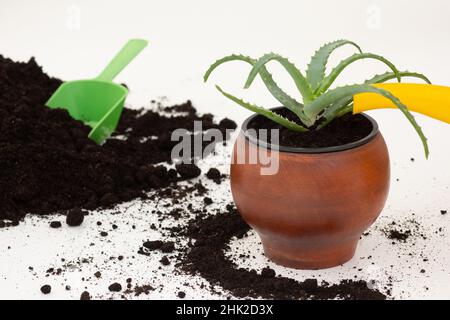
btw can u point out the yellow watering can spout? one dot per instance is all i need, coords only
(430, 100)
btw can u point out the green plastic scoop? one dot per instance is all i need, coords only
(98, 102)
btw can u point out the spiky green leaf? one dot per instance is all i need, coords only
(285, 100)
(328, 98)
(300, 81)
(317, 66)
(264, 112)
(344, 106)
(233, 57)
(380, 78)
(346, 109)
(334, 110)
(328, 81)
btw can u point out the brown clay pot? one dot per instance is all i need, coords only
(312, 212)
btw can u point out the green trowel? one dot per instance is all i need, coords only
(98, 102)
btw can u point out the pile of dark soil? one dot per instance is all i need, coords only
(403, 230)
(215, 175)
(206, 257)
(47, 163)
(399, 235)
(346, 129)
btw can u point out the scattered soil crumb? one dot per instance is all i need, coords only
(46, 289)
(115, 287)
(85, 296)
(75, 217)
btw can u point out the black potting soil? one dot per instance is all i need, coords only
(46, 289)
(210, 237)
(55, 224)
(153, 245)
(115, 287)
(402, 231)
(215, 175)
(346, 129)
(75, 217)
(47, 163)
(85, 295)
(165, 261)
(399, 235)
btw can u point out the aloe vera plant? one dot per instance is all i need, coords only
(320, 104)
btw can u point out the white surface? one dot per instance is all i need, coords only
(185, 37)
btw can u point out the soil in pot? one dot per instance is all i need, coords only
(346, 129)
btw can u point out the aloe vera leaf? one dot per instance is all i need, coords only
(343, 106)
(328, 81)
(330, 97)
(334, 110)
(339, 112)
(317, 66)
(300, 81)
(233, 57)
(285, 100)
(346, 109)
(380, 78)
(264, 112)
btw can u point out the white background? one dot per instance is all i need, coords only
(75, 39)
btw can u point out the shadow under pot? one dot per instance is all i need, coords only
(312, 206)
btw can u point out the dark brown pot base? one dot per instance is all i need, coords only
(309, 257)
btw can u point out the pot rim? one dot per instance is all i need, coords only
(281, 148)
